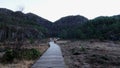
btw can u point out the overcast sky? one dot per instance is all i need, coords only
(55, 9)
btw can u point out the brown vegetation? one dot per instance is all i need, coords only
(91, 54)
(41, 46)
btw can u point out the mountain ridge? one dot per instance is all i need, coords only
(73, 26)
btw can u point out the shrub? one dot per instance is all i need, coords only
(82, 48)
(20, 54)
(100, 58)
(78, 51)
(31, 40)
(8, 56)
(75, 51)
(28, 54)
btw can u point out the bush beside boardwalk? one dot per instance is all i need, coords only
(23, 57)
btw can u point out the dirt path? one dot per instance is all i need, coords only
(52, 58)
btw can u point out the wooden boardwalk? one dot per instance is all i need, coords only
(52, 58)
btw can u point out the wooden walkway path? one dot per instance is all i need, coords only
(52, 58)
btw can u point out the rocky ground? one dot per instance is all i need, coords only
(42, 46)
(91, 54)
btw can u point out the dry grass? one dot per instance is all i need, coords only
(91, 54)
(21, 64)
(42, 46)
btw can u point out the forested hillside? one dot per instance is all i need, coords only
(65, 24)
(20, 26)
(103, 28)
(78, 27)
